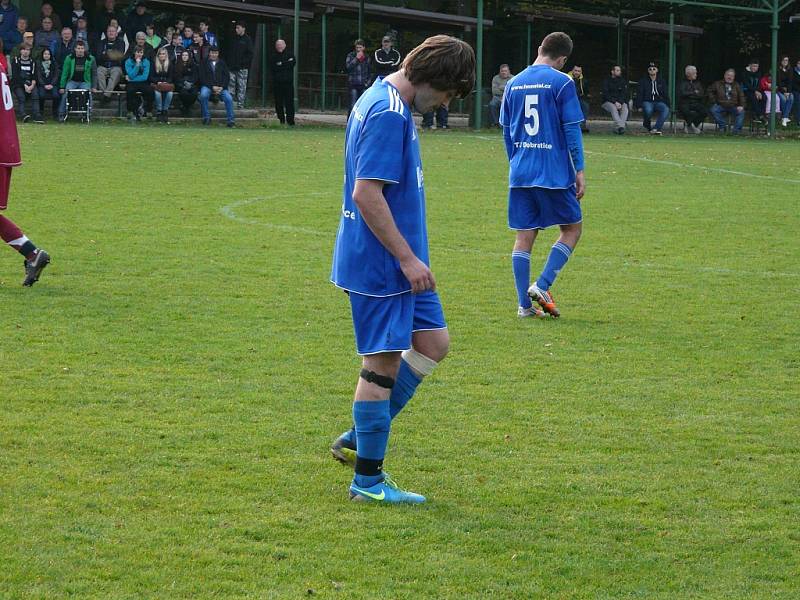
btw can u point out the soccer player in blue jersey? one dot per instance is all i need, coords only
(381, 253)
(541, 119)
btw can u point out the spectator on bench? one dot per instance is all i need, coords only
(175, 49)
(48, 79)
(691, 101)
(15, 36)
(727, 98)
(110, 54)
(765, 87)
(23, 85)
(186, 79)
(79, 73)
(214, 80)
(109, 13)
(76, 13)
(582, 87)
(47, 12)
(152, 38)
(141, 42)
(9, 17)
(616, 98)
(749, 80)
(241, 55)
(499, 83)
(199, 49)
(784, 84)
(120, 34)
(46, 37)
(64, 47)
(187, 36)
(652, 98)
(163, 78)
(139, 18)
(137, 74)
(82, 32)
(441, 114)
(209, 37)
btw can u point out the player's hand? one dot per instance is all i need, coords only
(580, 184)
(418, 275)
(61, 91)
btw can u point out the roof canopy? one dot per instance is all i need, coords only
(408, 14)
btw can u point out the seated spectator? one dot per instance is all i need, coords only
(162, 77)
(152, 38)
(139, 18)
(23, 85)
(209, 37)
(109, 13)
(64, 47)
(137, 75)
(79, 73)
(186, 80)
(785, 96)
(652, 98)
(48, 79)
(615, 98)
(110, 55)
(76, 13)
(14, 36)
(214, 80)
(359, 70)
(120, 34)
(9, 19)
(750, 80)
(27, 42)
(166, 40)
(765, 87)
(691, 101)
(47, 12)
(46, 37)
(180, 25)
(387, 59)
(582, 88)
(82, 32)
(499, 82)
(141, 43)
(175, 49)
(199, 49)
(441, 118)
(187, 36)
(727, 98)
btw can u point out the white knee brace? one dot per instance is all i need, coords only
(419, 362)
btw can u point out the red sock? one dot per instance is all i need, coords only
(13, 236)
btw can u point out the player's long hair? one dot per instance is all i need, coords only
(444, 62)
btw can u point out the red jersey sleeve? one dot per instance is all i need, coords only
(9, 141)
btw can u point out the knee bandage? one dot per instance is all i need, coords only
(419, 362)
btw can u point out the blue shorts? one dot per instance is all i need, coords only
(539, 208)
(386, 324)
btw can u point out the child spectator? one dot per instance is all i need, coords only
(48, 78)
(151, 37)
(199, 49)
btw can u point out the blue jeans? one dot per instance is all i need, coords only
(163, 100)
(205, 94)
(73, 85)
(494, 110)
(720, 115)
(787, 102)
(649, 108)
(441, 117)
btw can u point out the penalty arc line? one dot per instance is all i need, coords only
(229, 211)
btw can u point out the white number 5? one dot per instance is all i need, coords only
(531, 100)
(8, 102)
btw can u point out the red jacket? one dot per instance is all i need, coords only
(765, 83)
(9, 142)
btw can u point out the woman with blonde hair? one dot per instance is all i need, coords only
(162, 76)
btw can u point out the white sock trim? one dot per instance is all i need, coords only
(419, 362)
(19, 241)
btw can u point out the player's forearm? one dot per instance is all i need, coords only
(376, 214)
(508, 142)
(574, 137)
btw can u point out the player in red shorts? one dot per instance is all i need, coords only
(36, 259)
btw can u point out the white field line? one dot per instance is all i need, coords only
(229, 211)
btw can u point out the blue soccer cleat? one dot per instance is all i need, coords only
(386, 491)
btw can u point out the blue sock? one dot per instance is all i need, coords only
(372, 431)
(521, 262)
(559, 255)
(405, 384)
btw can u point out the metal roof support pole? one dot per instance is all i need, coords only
(530, 38)
(323, 84)
(479, 68)
(774, 67)
(672, 68)
(361, 19)
(296, 42)
(620, 33)
(262, 33)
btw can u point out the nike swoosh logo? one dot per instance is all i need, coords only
(380, 496)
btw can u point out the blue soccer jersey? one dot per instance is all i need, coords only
(536, 103)
(381, 143)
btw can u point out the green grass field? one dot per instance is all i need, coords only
(171, 385)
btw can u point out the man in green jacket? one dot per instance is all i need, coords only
(79, 73)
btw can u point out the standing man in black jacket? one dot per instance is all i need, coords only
(283, 64)
(615, 98)
(387, 59)
(239, 59)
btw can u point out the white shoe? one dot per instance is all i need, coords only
(785, 122)
(533, 311)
